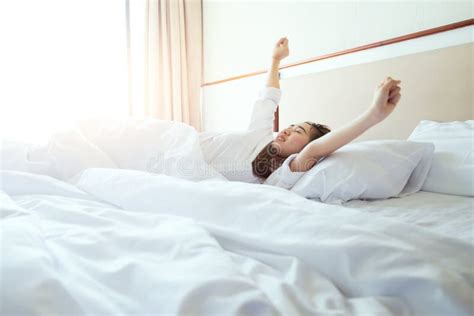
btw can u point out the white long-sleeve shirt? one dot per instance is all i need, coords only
(232, 153)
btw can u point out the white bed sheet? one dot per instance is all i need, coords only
(123, 242)
(451, 215)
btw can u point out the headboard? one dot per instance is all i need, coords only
(435, 66)
(436, 85)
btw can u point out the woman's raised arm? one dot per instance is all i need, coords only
(385, 99)
(280, 51)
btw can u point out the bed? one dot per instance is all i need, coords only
(103, 227)
(130, 237)
(130, 242)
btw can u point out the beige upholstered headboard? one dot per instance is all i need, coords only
(436, 85)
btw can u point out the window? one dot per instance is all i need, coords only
(60, 60)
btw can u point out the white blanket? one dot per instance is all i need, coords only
(152, 145)
(131, 242)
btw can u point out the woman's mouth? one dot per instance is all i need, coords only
(280, 138)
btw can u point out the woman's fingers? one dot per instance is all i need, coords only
(394, 99)
(394, 90)
(390, 79)
(388, 83)
(282, 41)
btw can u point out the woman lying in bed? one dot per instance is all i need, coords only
(283, 159)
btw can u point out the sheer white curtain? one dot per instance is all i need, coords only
(60, 60)
(166, 59)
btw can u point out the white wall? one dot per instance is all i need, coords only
(239, 37)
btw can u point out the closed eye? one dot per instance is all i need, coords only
(300, 130)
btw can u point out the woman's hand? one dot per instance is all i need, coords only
(386, 97)
(281, 49)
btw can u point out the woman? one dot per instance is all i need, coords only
(256, 156)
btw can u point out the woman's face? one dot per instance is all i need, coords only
(293, 138)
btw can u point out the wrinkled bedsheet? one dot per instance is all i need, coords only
(128, 242)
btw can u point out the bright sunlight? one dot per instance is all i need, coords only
(61, 61)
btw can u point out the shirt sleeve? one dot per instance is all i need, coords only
(264, 109)
(283, 177)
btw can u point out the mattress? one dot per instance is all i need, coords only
(451, 215)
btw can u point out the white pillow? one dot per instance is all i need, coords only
(368, 170)
(452, 169)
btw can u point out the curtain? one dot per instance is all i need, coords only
(172, 61)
